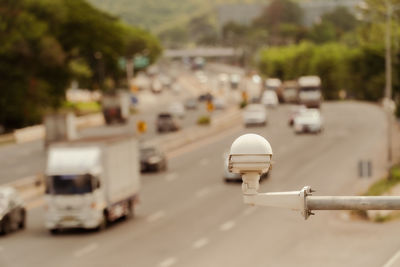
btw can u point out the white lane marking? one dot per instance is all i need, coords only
(86, 250)
(200, 243)
(171, 176)
(227, 226)
(204, 161)
(392, 260)
(203, 192)
(167, 262)
(249, 211)
(156, 216)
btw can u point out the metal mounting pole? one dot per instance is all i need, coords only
(352, 203)
(304, 201)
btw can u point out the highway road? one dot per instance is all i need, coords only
(189, 217)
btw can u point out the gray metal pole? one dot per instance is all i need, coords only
(352, 203)
(388, 74)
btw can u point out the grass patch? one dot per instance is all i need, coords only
(82, 108)
(386, 184)
(204, 120)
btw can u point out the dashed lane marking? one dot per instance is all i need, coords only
(249, 211)
(167, 262)
(86, 250)
(203, 192)
(200, 243)
(156, 216)
(171, 177)
(227, 226)
(391, 262)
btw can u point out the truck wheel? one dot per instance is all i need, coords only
(5, 226)
(54, 231)
(103, 223)
(130, 211)
(21, 224)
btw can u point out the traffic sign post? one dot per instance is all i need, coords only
(141, 126)
(210, 106)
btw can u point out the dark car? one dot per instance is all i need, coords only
(166, 123)
(205, 97)
(152, 159)
(12, 210)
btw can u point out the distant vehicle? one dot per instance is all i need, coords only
(235, 81)
(223, 79)
(290, 91)
(152, 159)
(166, 81)
(191, 103)
(177, 109)
(116, 106)
(310, 91)
(255, 114)
(91, 182)
(205, 97)
(142, 81)
(176, 88)
(201, 77)
(198, 63)
(156, 86)
(12, 210)
(275, 84)
(166, 123)
(294, 112)
(269, 99)
(219, 103)
(309, 120)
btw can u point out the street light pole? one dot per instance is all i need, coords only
(388, 76)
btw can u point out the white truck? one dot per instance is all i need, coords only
(310, 91)
(91, 182)
(116, 106)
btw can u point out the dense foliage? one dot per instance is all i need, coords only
(348, 54)
(47, 43)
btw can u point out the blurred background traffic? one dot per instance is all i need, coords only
(116, 119)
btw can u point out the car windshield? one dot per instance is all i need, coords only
(309, 89)
(71, 184)
(164, 116)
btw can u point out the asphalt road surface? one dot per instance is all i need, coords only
(189, 217)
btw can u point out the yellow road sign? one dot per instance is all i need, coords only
(141, 126)
(210, 106)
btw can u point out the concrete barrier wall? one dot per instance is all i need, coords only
(37, 132)
(28, 134)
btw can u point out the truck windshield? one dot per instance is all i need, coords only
(71, 184)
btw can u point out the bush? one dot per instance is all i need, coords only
(204, 120)
(359, 71)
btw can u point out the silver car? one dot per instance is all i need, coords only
(12, 210)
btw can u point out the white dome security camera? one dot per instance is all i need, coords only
(250, 156)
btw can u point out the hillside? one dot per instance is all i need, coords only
(159, 15)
